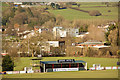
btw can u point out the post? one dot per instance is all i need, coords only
(28, 46)
(61, 65)
(52, 66)
(69, 65)
(44, 68)
(78, 65)
(86, 66)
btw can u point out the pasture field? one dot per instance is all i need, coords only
(78, 74)
(25, 61)
(71, 14)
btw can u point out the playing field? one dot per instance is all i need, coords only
(79, 74)
(25, 61)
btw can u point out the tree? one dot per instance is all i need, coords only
(108, 53)
(7, 63)
(57, 6)
(107, 4)
(94, 13)
(52, 5)
(118, 52)
(98, 35)
(78, 5)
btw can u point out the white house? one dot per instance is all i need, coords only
(72, 32)
(53, 43)
(59, 32)
(18, 3)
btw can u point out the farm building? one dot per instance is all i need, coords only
(63, 65)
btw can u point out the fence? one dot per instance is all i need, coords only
(102, 68)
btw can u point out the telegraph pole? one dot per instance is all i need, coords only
(28, 46)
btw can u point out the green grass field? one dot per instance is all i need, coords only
(25, 61)
(71, 14)
(78, 74)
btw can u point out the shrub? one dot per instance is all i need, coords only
(7, 63)
(94, 13)
(109, 10)
(118, 52)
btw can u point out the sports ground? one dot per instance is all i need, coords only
(105, 62)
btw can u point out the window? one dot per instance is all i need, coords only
(48, 66)
(65, 65)
(73, 65)
(57, 65)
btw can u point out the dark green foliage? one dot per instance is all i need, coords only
(111, 27)
(109, 10)
(78, 5)
(107, 4)
(5, 20)
(106, 35)
(83, 28)
(71, 3)
(118, 52)
(57, 6)
(20, 9)
(8, 14)
(94, 13)
(107, 43)
(29, 12)
(7, 64)
(52, 5)
(27, 3)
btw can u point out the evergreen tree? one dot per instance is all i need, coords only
(7, 63)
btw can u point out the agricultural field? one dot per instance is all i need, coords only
(71, 14)
(4, 6)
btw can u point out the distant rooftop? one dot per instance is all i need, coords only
(92, 42)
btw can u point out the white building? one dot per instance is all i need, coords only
(56, 43)
(18, 3)
(53, 43)
(72, 32)
(82, 34)
(59, 32)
